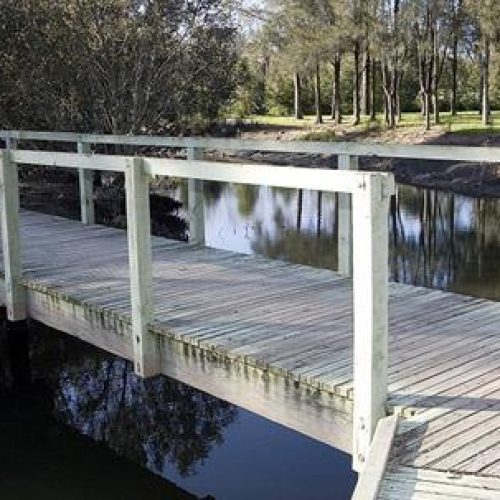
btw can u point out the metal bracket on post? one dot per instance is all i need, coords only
(146, 355)
(86, 181)
(370, 284)
(15, 293)
(195, 202)
(344, 230)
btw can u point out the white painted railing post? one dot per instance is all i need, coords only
(370, 295)
(195, 202)
(344, 242)
(146, 356)
(11, 240)
(86, 182)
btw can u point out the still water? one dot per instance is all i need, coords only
(88, 428)
(437, 239)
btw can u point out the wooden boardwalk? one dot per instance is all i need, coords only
(277, 338)
(272, 337)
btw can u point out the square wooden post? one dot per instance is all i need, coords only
(344, 241)
(370, 294)
(15, 293)
(146, 354)
(86, 181)
(195, 202)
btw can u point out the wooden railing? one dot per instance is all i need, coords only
(347, 153)
(368, 192)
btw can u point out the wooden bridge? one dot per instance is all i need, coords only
(318, 351)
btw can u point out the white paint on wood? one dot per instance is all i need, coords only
(146, 358)
(370, 283)
(11, 241)
(70, 160)
(195, 202)
(267, 175)
(424, 152)
(344, 230)
(86, 181)
(370, 480)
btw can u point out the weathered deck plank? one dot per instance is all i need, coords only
(277, 338)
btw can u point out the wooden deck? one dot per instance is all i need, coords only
(276, 338)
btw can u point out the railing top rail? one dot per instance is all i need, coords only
(422, 152)
(268, 175)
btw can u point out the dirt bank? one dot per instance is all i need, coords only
(472, 179)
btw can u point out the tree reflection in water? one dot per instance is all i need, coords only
(151, 421)
(437, 239)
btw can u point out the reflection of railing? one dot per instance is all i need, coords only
(370, 194)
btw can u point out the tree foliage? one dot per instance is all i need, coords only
(402, 54)
(119, 66)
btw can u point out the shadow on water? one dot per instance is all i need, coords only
(77, 423)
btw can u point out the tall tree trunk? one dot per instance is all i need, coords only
(427, 105)
(481, 82)
(373, 89)
(317, 95)
(398, 106)
(366, 84)
(435, 74)
(355, 100)
(386, 108)
(297, 96)
(454, 71)
(486, 82)
(389, 77)
(336, 103)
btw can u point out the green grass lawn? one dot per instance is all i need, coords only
(464, 122)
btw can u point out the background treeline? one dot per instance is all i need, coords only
(115, 66)
(360, 57)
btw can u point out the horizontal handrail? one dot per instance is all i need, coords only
(423, 152)
(269, 175)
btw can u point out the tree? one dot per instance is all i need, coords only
(118, 66)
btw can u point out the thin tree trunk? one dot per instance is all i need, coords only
(386, 109)
(355, 101)
(454, 71)
(337, 111)
(481, 83)
(366, 84)
(298, 96)
(373, 90)
(435, 75)
(427, 106)
(317, 95)
(398, 106)
(486, 82)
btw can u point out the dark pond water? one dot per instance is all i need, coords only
(88, 428)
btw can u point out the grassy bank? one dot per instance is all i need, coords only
(464, 123)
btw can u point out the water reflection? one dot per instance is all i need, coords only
(152, 422)
(202, 446)
(437, 239)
